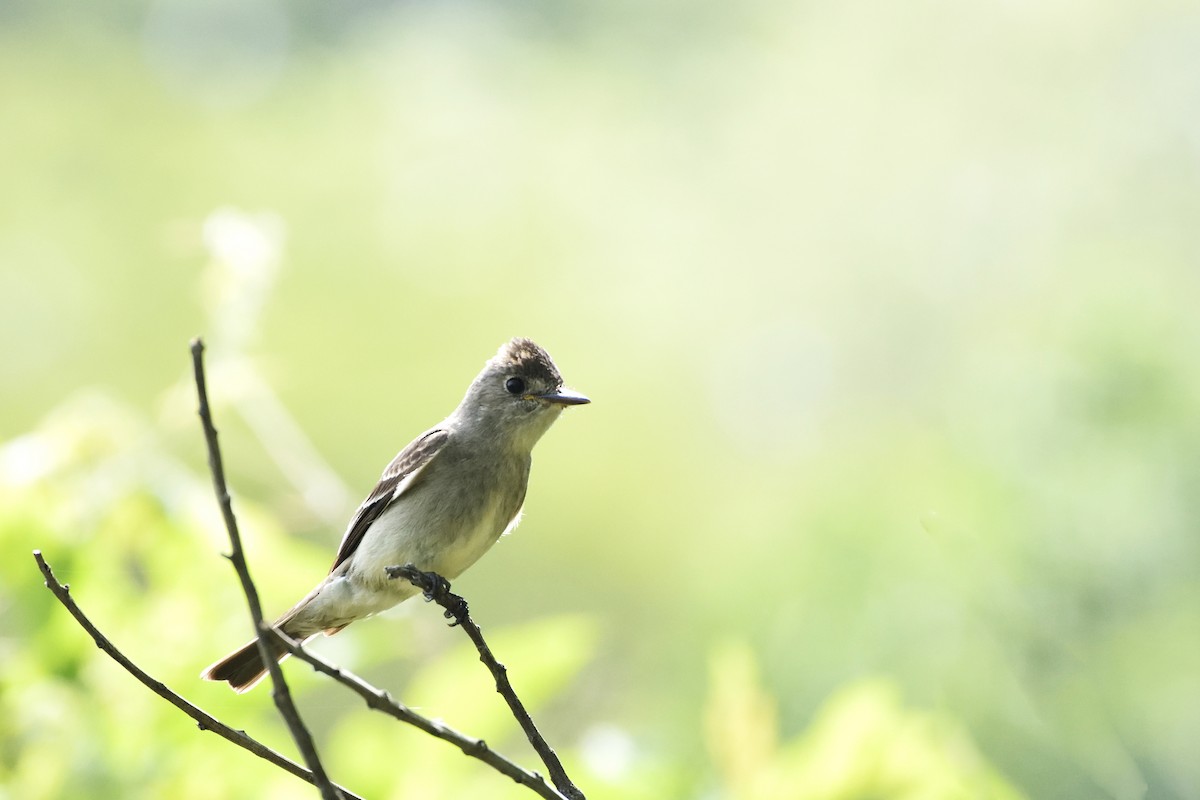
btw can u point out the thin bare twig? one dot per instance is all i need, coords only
(380, 700)
(437, 589)
(280, 693)
(203, 720)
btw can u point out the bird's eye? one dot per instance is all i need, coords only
(515, 386)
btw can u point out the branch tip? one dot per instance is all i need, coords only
(283, 699)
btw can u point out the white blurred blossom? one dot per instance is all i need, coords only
(245, 251)
(608, 751)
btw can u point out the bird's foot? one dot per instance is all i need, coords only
(436, 588)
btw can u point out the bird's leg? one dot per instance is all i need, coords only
(436, 588)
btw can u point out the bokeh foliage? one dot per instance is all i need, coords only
(888, 316)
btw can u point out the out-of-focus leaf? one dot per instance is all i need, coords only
(862, 743)
(740, 720)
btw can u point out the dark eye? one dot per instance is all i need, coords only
(515, 386)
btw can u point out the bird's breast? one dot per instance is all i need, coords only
(470, 542)
(440, 525)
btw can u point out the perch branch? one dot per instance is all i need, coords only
(437, 589)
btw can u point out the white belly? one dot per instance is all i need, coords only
(403, 535)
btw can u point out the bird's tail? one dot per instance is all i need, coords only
(244, 668)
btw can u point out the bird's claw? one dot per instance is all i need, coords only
(456, 609)
(432, 585)
(434, 588)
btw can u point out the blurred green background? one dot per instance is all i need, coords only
(891, 481)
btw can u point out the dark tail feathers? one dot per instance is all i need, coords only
(244, 668)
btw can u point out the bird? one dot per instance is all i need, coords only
(440, 504)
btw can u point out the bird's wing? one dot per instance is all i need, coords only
(398, 476)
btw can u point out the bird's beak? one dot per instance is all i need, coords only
(564, 397)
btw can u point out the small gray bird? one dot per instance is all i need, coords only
(441, 503)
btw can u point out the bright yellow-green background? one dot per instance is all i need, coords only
(888, 310)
